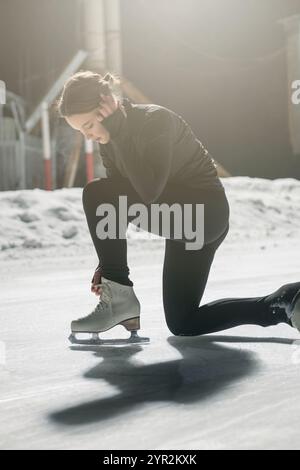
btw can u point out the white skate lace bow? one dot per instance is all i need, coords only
(105, 298)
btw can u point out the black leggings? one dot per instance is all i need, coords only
(185, 272)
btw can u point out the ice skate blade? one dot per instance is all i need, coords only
(96, 341)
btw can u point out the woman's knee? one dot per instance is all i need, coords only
(183, 326)
(89, 189)
(94, 191)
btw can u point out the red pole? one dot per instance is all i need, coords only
(89, 160)
(48, 174)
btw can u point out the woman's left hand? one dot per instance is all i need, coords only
(107, 106)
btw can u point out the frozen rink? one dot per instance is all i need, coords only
(238, 389)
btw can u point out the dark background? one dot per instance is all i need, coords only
(221, 64)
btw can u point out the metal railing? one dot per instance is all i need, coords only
(21, 163)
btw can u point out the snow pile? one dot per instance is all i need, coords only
(263, 209)
(36, 218)
(260, 209)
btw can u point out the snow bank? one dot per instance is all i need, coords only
(260, 209)
(263, 209)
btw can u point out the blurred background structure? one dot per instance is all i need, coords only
(226, 67)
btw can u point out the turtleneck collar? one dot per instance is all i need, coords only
(127, 104)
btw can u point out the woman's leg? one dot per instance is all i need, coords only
(185, 275)
(112, 253)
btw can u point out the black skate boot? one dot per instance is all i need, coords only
(285, 303)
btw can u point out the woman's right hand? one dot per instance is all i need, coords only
(95, 283)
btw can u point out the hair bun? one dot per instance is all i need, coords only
(107, 77)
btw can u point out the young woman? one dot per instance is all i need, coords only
(152, 156)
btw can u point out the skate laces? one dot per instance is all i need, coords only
(278, 304)
(106, 294)
(282, 303)
(105, 298)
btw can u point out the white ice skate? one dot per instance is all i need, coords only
(118, 305)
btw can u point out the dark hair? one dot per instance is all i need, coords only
(81, 92)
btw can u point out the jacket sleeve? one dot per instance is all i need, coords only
(145, 157)
(110, 168)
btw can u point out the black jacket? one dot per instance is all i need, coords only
(153, 146)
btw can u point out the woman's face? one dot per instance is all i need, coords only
(89, 124)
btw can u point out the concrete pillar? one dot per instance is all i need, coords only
(113, 36)
(2, 92)
(292, 30)
(93, 34)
